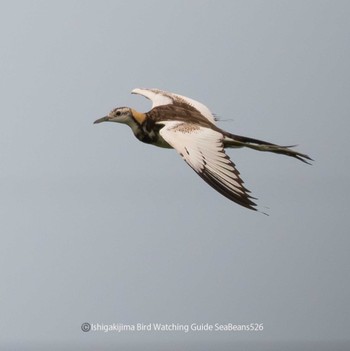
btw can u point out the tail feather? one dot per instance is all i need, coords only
(232, 140)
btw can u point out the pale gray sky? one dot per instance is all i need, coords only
(97, 227)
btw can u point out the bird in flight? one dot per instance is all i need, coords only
(190, 128)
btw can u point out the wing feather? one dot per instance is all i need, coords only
(160, 97)
(202, 148)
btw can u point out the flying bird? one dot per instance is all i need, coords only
(189, 127)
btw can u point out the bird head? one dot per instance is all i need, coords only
(119, 115)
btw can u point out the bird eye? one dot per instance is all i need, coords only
(118, 113)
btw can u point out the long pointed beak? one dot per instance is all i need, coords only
(103, 119)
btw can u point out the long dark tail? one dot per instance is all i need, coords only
(232, 140)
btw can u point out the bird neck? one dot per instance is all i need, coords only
(138, 116)
(135, 121)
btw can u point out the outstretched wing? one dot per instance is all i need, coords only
(202, 148)
(159, 97)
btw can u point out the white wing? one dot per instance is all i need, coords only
(202, 148)
(159, 97)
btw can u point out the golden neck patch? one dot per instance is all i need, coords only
(138, 116)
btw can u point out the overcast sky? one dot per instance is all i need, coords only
(97, 227)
